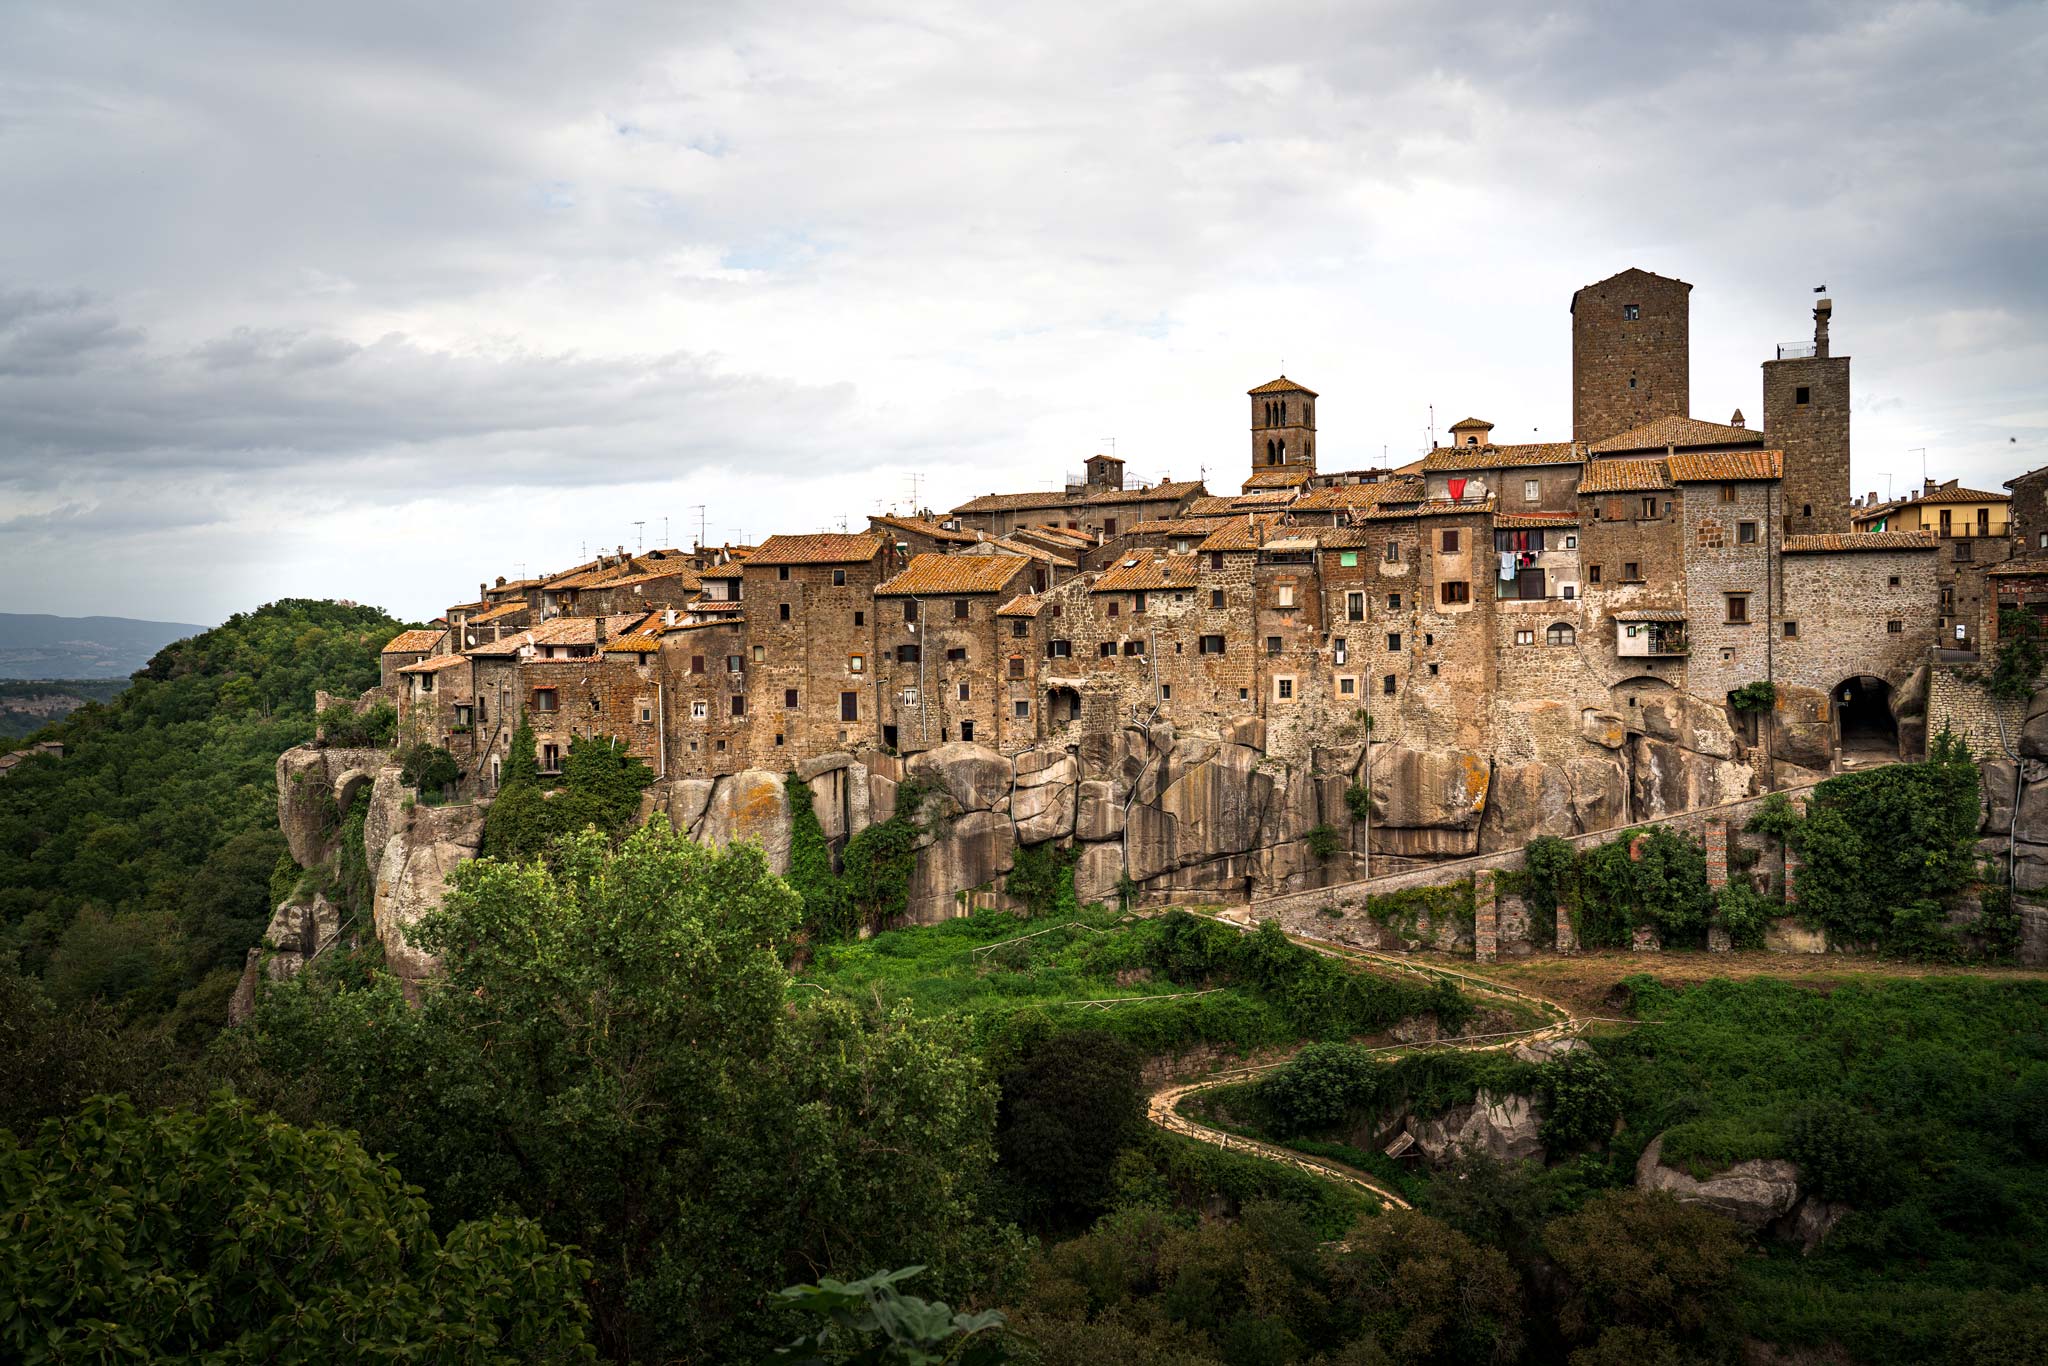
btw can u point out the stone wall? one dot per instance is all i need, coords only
(1626, 370)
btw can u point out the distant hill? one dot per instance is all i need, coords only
(33, 645)
(26, 708)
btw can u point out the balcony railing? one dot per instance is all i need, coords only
(1795, 350)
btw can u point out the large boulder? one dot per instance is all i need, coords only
(1043, 806)
(1602, 728)
(1527, 800)
(2034, 730)
(966, 853)
(1099, 814)
(1428, 802)
(1802, 727)
(687, 800)
(1752, 1193)
(1148, 842)
(412, 876)
(1098, 872)
(752, 804)
(1690, 723)
(297, 932)
(1505, 1128)
(1216, 804)
(1667, 779)
(840, 795)
(1810, 1222)
(975, 778)
(1995, 780)
(1599, 792)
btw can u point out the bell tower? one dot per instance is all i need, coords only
(1283, 426)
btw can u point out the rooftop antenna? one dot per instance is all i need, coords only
(1432, 426)
(1111, 441)
(916, 491)
(640, 534)
(664, 532)
(698, 508)
(1922, 450)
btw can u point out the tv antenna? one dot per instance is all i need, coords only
(664, 532)
(640, 534)
(916, 490)
(1922, 452)
(1110, 441)
(698, 508)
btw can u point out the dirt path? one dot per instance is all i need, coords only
(1163, 1105)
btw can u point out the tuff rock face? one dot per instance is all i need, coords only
(1505, 1128)
(314, 787)
(1753, 1193)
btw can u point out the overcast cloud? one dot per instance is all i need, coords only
(375, 301)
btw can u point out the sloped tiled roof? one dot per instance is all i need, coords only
(1875, 511)
(1624, 476)
(1023, 605)
(1135, 574)
(1241, 533)
(414, 643)
(1176, 526)
(824, 547)
(1053, 532)
(1650, 614)
(434, 664)
(581, 630)
(1262, 498)
(1282, 385)
(1447, 458)
(1471, 424)
(1726, 467)
(1679, 432)
(923, 527)
(954, 574)
(1286, 477)
(1832, 541)
(731, 569)
(508, 608)
(1212, 506)
(1960, 495)
(1340, 496)
(1016, 502)
(1527, 520)
(1036, 552)
(1439, 507)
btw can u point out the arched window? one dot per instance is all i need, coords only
(1560, 634)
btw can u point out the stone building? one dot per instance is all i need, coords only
(1806, 415)
(1631, 353)
(938, 645)
(1975, 527)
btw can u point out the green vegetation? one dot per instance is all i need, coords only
(871, 1322)
(137, 869)
(1042, 877)
(1403, 912)
(2016, 665)
(344, 726)
(878, 862)
(27, 707)
(600, 789)
(1324, 843)
(1758, 696)
(117, 1249)
(430, 769)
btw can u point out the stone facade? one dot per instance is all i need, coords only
(1631, 353)
(1806, 414)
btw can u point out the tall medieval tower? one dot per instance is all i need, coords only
(1806, 415)
(1283, 426)
(1631, 353)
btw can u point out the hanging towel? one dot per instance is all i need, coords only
(1457, 489)
(1507, 564)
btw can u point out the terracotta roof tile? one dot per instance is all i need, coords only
(1959, 495)
(1241, 533)
(414, 643)
(1446, 458)
(1650, 614)
(1679, 432)
(1036, 552)
(1263, 498)
(1212, 506)
(1176, 526)
(924, 527)
(825, 547)
(1282, 385)
(1023, 605)
(1625, 476)
(1860, 540)
(1016, 502)
(1526, 520)
(434, 664)
(1342, 496)
(954, 574)
(1134, 574)
(1283, 478)
(503, 609)
(1726, 467)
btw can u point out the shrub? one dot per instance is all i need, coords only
(1640, 1259)
(1323, 843)
(1580, 1103)
(1425, 1293)
(1743, 912)
(1757, 696)
(1070, 1103)
(881, 859)
(1839, 1151)
(2016, 667)
(1042, 877)
(810, 875)
(428, 768)
(341, 724)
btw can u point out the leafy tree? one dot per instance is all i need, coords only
(872, 1323)
(610, 1049)
(1839, 1151)
(223, 1235)
(429, 768)
(522, 761)
(51, 1059)
(1640, 1259)
(601, 787)
(1580, 1103)
(2016, 665)
(810, 875)
(341, 724)
(1042, 877)
(1070, 1104)
(1318, 1088)
(880, 861)
(1425, 1293)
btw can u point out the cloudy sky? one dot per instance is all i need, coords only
(374, 301)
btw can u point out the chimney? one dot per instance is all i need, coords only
(599, 620)
(480, 591)
(501, 580)
(1823, 310)
(1736, 421)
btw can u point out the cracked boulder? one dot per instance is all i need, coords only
(1753, 1193)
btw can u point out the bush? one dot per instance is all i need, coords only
(1042, 877)
(428, 768)
(1664, 886)
(341, 724)
(1070, 1103)
(1758, 696)
(1424, 1293)
(1840, 1153)
(810, 874)
(881, 859)
(1744, 913)
(1640, 1259)
(601, 785)
(1580, 1103)
(1323, 843)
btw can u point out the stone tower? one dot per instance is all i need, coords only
(1806, 415)
(1283, 426)
(1631, 353)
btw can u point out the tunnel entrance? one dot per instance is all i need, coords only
(1864, 723)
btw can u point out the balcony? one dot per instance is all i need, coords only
(1795, 351)
(1650, 635)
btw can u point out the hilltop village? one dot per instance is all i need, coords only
(1497, 640)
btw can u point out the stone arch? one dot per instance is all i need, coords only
(1865, 727)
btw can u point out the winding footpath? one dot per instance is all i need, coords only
(1163, 1105)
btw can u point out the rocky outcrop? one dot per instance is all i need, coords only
(1428, 803)
(1505, 1128)
(1810, 1223)
(298, 931)
(752, 805)
(976, 779)
(412, 865)
(314, 788)
(1754, 1193)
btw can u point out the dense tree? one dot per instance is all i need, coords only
(600, 789)
(1425, 1293)
(1070, 1104)
(610, 1050)
(1640, 1259)
(224, 1235)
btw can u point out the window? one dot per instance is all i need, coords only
(1649, 507)
(1428, 639)
(1339, 650)
(783, 611)
(1348, 559)
(959, 609)
(463, 714)
(1286, 595)
(782, 572)
(721, 746)
(1106, 649)
(1745, 533)
(1283, 689)
(2044, 540)
(966, 731)
(1571, 543)
(1631, 312)
(1209, 645)
(789, 699)
(1532, 489)
(839, 578)
(1525, 637)
(551, 758)
(1802, 396)
(1450, 542)
(1561, 633)
(1387, 685)
(1272, 645)
(1393, 642)
(699, 710)
(1134, 647)
(1806, 509)
(1059, 649)
(1115, 607)
(1354, 607)
(1216, 560)
(1432, 671)
(778, 738)
(1895, 627)
(1023, 709)
(956, 656)
(1727, 493)
(544, 699)
(908, 654)
(1216, 599)
(1791, 629)
(1631, 572)
(1568, 591)
(849, 706)
(1138, 603)
(860, 618)
(1738, 609)
(1962, 550)
(1109, 526)
(739, 704)
(1020, 628)
(1894, 582)
(1457, 590)
(759, 653)
(1347, 686)
(856, 664)
(1016, 666)
(1592, 573)
(1393, 552)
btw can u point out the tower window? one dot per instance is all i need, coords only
(1806, 509)
(1802, 396)
(1631, 381)
(1631, 312)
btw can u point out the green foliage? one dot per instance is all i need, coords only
(1653, 877)
(1745, 913)
(2016, 666)
(1840, 1152)
(1761, 695)
(1042, 877)
(522, 759)
(601, 786)
(1777, 817)
(612, 1050)
(827, 913)
(1425, 1293)
(879, 861)
(143, 860)
(1551, 867)
(429, 768)
(1580, 1103)
(1070, 1104)
(1358, 798)
(872, 1323)
(1323, 842)
(228, 1236)
(1884, 850)
(1639, 1259)
(1405, 911)
(1998, 921)
(52, 1059)
(1329, 1085)
(342, 725)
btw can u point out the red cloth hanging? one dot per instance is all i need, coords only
(1457, 489)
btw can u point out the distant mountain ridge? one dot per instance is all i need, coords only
(36, 645)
